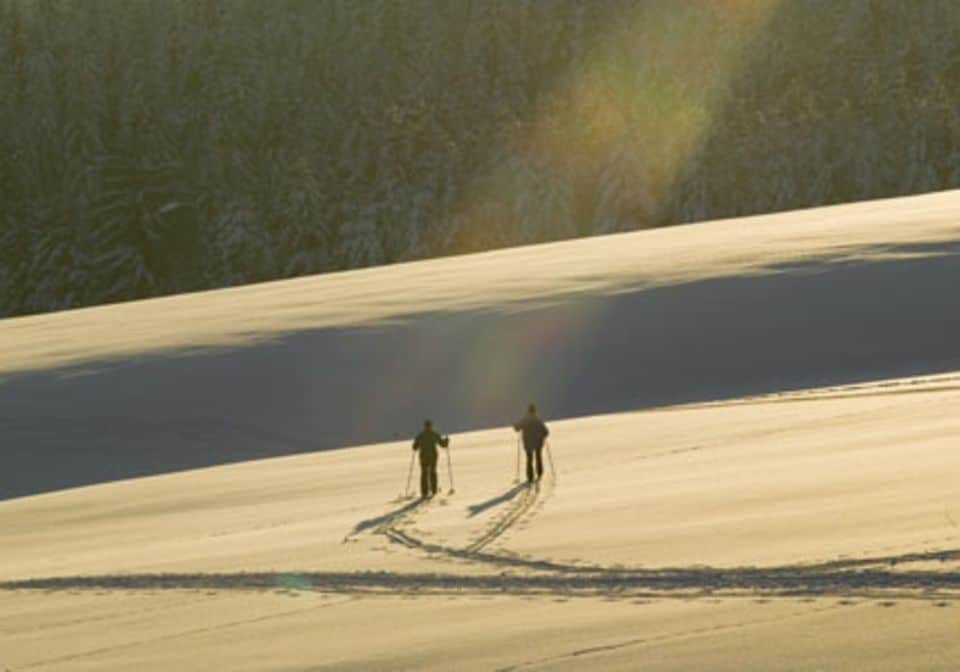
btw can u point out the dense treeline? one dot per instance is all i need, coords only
(159, 146)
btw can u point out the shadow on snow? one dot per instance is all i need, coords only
(888, 313)
(476, 509)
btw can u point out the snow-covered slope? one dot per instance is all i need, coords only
(806, 531)
(812, 528)
(615, 323)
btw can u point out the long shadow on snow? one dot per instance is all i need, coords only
(794, 326)
(386, 519)
(477, 509)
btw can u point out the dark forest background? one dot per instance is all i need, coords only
(156, 146)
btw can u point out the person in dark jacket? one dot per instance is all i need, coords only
(534, 434)
(426, 443)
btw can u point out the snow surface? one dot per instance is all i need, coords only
(617, 323)
(753, 423)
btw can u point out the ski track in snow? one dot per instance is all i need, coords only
(176, 635)
(661, 639)
(518, 511)
(873, 577)
(395, 528)
(881, 577)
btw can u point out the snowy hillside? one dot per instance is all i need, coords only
(797, 511)
(615, 323)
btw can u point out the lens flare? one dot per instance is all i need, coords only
(603, 153)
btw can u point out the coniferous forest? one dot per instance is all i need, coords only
(157, 146)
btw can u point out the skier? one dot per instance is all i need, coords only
(426, 442)
(534, 434)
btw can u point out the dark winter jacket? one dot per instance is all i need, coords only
(427, 442)
(534, 431)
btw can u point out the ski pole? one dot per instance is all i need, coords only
(516, 478)
(406, 490)
(450, 470)
(553, 471)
